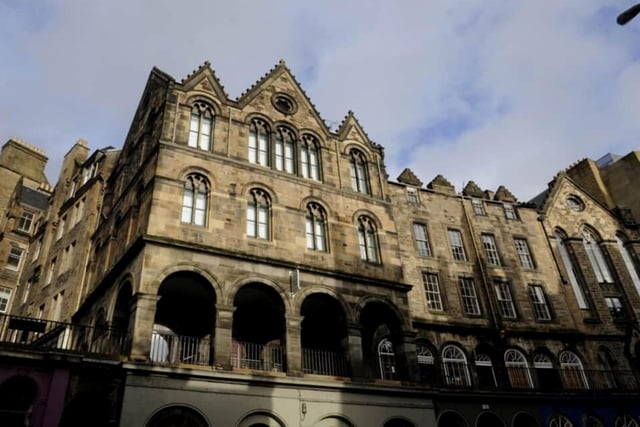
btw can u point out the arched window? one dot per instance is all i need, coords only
(485, 371)
(455, 369)
(359, 176)
(386, 359)
(368, 240)
(630, 260)
(177, 416)
(518, 369)
(573, 376)
(606, 363)
(259, 143)
(426, 363)
(596, 257)
(201, 126)
(309, 158)
(559, 421)
(194, 200)
(284, 150)
(258, 214)
(625, 421)
(573, 274)
(316, 228)
(548, 379)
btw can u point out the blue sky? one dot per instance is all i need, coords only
(495, 91)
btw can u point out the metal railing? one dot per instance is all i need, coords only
(60, 336)
(167, 347)
(321, 362)
(258, 357)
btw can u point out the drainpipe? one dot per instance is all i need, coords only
(229, 134)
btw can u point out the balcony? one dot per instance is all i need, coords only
(17, 332)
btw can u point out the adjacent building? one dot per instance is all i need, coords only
(240, 263)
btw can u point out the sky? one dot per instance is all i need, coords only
(500, 92)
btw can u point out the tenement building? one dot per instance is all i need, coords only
(240, 263)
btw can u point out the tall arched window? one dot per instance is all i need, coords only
(518, 369)
(316, 228)
(386, 359)
(201, 126)
(259, 143)
(455, 369)
(194, 200)
(284, 150)
(426, 363)
(596, 257)
(258, 214)
(625, 421)
(485, 371)
(559, 421)
(573, 274)
(359, 175)
(309, 158)
(573, 376)
(630, 260)
(606, 363)
(368, 240)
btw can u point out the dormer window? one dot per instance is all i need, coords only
(412, 195)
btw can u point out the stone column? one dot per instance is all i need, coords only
(354, 351)
(223, 336)
(407, 357)
(144, 311)
(293, 345)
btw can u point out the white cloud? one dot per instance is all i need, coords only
(498, 92)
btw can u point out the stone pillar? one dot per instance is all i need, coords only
(293, 345)
(354, 351)
(407, 357)
(223, 336)
(144, 311)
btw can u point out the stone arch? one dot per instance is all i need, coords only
(258, 116)
(524, 419)
(261, 418)
(323, 335)
(299, 297)
(186, 267)
(177, 414)
(247, 187)
(544, 364)
(315, 135)
(314, 199)
(289, 126)
(455, 364)
(192, 169)
(334, 420)
(233, 289)
(451, 419)
(427, 356)
(398, 422)
(489, 419)
(365, 212)
(17, 397)
(194, 97)
(353, 145)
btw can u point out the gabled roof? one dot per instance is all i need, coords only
(351, 124)
(473, 190)
(408, 177)
(278, 70)
(205, 79)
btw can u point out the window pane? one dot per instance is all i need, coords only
(251, 220)
(314, 164)
(253, 147)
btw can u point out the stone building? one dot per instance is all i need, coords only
(239, 263)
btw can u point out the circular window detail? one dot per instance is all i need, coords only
(575, 203)
(284, 103)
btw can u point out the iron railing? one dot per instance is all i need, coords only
(258, 357)
(167, 347)
(320, 362)
(61, 336)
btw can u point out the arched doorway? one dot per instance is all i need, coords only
(17, 395)
(522, 419)
(121, 315)
(323, 336)
(381, 339)
(258, 329)
(177, 416)
(184, 323)
(489, 419)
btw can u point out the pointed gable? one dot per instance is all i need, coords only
(441, 185)
(473, 190)
(350, 128)
(280, 82)
(205, 80)
(504, 195)
(408, 177)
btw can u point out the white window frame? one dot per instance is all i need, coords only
(309, 158)
(491, 250)
(315, 228)
(517, 369)
(524, 253)
(539, 302)
(510, 211)
(359, 172)
(368, 240)
(455, 368)
(259, 143)
(505, 300)
(421, 239)
(470, 304)
(201, 127)
(26, 221)
(258, 214)
(432, 291)
(386, 359)
(5, 299)
(457, 245)
(478, 207)
(573, 376)
(596, 257)
(15, 256)
(195, 195)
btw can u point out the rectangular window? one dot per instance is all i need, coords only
(422, 239)
(478, 207)
(50, 271)
(432, 291)
(510, 211)
(61, 225)
(457, 246)
(614, 304)
(524, 255)
(505, 300)
(36, 251)
(27, 290)
(491, 249)
(412, 195)
(5, 296)
(539, 301)
(25, 222)
(57, 306)
(469, 297)
(68, 256)
(15, 256)
(79, 208)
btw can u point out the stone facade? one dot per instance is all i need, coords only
(259, 268)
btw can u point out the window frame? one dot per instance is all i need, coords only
(518, 369)
(455, 369)
(599, 263)
(259, 214)
(540, 303)
(523, 250)
(469, 300)
(412, 195)
(259, 145)
(422, 242)
(26, 217)
(458, 251)
(5, 299)
(504, 297)
(195, 200)
(478, 207)
(510, 212)
(615, 307)
(359, 172)
(491, 249)
(202, 116)
(316, 228)
(432, 291)
(368, 240)
(310, 158)
(284, 150)
(13, 256)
